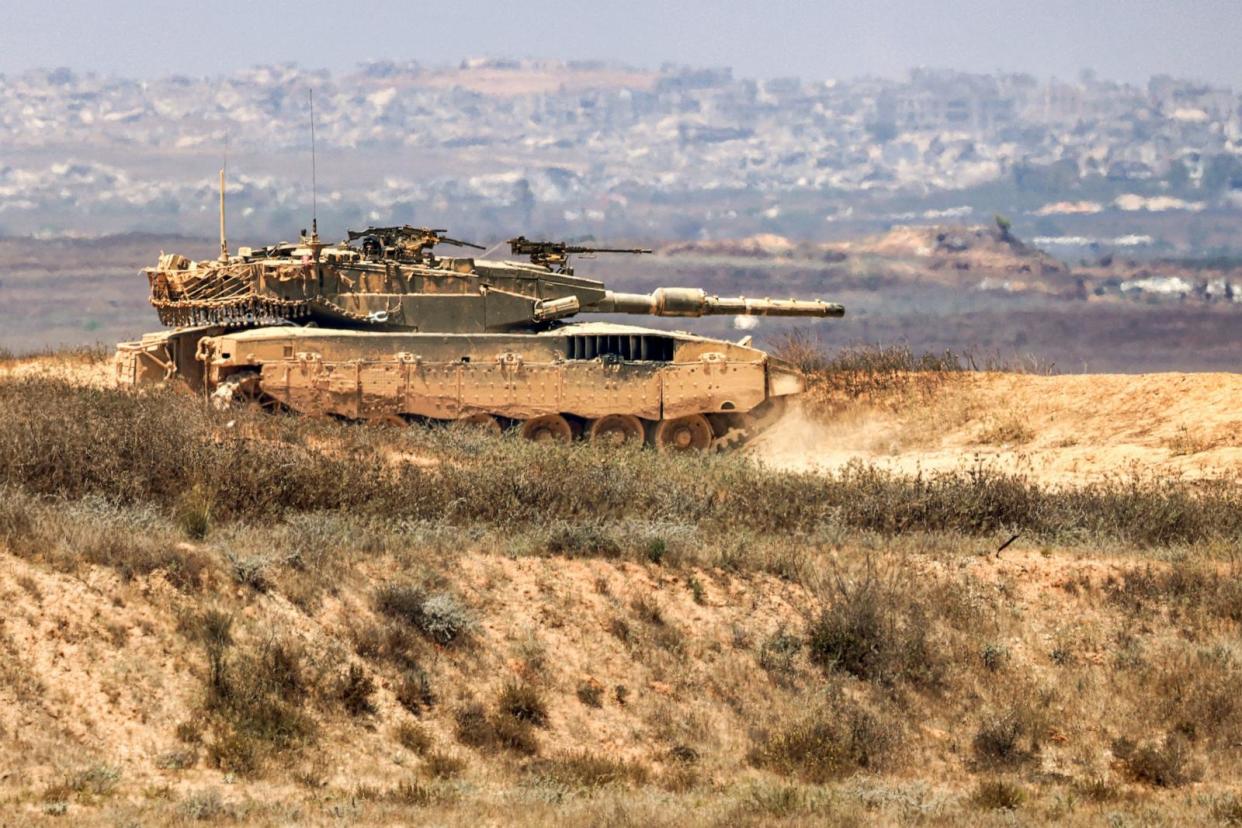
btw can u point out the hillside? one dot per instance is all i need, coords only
(222, 617)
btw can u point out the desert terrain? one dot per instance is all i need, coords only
(928, 595)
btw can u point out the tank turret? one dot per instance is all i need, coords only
(390, 279)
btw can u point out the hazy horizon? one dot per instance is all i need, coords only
(1123, 41)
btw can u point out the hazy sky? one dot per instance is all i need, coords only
(1120, 39)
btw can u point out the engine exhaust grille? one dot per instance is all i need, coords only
(629, 347)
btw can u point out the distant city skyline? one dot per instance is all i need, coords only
(1123, 40)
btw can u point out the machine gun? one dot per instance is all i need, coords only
(404, 242)
(555, 255)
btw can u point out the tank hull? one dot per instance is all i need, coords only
(583, 374)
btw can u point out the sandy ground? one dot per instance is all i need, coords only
(1058, 429)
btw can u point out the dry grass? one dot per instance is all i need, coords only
(165, 450)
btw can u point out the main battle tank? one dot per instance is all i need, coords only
(380, 328)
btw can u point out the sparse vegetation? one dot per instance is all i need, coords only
(355, 689)
(858, 627)
(45, 450)
(998, 795)
(437, 615)
(835, 739)
(585, 769)
(524, 703)
(1166, 763)
(999, 741)
(876, 629)
(413, 737)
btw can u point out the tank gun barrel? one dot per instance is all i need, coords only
(695, 302)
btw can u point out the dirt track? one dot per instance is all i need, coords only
(1059, 429)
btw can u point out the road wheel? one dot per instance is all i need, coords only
(480, 421)
(689, 433)
(616, 430)
(548, 428)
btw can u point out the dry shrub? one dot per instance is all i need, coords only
(515, 735)
(1097, 789)
(1163, 764)
(876, 629)
(438, 765)
(1186, 588)
(410, 793)
(1003, 740)
(778, 654)
(135, 555)
(998, 795)
(355, 689)
(585, 769)
(1195, 693)
(1227, 810)
(582, 540)
(18, 529)
(86, 785)
(591, 693)
(478, 728)
(1008, 432)
(524, 702)
(437, 615)
(193, 512)
(863, 371)
(208, 806)
(413, 737)
(254, 698)
(837, 738)
(1186, 442)
(473, 726)
(414, 691)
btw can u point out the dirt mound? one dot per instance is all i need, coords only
(1056, 429)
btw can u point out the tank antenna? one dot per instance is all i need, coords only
(224, 242)
(314, 183)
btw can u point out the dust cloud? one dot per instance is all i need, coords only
(799, 441)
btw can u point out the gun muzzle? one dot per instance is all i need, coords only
(695, 302)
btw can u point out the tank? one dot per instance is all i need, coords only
(380, 328)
